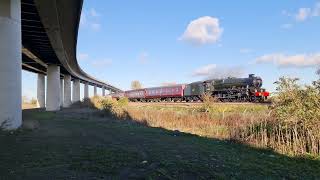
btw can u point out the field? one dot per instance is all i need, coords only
(214, 121)
(28, 106)
(87, 143)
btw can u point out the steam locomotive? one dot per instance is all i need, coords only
(228, 89)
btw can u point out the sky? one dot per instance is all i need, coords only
(164, 42)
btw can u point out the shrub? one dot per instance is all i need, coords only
(114, 107)
(294, 125)
(208, 102)
(296, 105)
(123, 102)
(33, 101)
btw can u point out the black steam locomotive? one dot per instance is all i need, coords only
(228, 89)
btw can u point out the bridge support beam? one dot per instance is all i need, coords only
(86, 90)
(95, 90)
(61, 92)
(53, 88)
(103, 91)
(67, 91)
(10, 64)
(41, 91)
(76, 91)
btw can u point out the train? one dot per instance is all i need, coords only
(229, 89)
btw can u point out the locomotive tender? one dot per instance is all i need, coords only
(227, 89)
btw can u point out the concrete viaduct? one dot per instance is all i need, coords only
(41, 36)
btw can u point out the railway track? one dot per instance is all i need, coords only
(192, 104)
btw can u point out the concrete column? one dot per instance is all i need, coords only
(41, 91)
(61, 92)
(86, 90)
(95, 90)
(76, 91)
(103, 91)
(10, 64)
(53, 88)
(67, 91)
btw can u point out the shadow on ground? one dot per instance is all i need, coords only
(83, 143)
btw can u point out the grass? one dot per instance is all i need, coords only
(80, 143)
(219, 122)
(252, 124)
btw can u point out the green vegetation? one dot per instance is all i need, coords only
(80, 143)
(105, 138)
(290, 126)
(295, 122)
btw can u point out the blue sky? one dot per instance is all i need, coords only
(159, 42)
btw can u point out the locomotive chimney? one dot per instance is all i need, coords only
(251, 75)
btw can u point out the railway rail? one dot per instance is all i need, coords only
(193, 103)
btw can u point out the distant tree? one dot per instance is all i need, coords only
(136, 84)
(317, 82)
(25, 99)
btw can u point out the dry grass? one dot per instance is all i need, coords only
(248, 123)
(29, 105)
(258, 128)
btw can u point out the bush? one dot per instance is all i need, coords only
(33, 101)
(123, 102)
(294, 125)
(208, 102)
(296, 105)
(114, 107)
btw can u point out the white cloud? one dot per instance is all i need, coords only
(97, 63)
(204, 30)
(316, 10)
(205, 70)
(303, 14)
(245, 50)
(212, 71)
(286, 13)
(102, 63)
(286, 26)
(283, 60)
(96, 26)
(90, 20)
(83, 56)
(94, 13)
(143, 57)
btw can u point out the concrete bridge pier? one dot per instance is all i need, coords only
(86, 90)
(103, 91)
(67, 91)
(95, 90)
(10, 64)
(76, 91)
(41, 91)
(53, 88)
(61, 92)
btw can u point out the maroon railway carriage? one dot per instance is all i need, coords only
(167, 93)
(135, 95)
